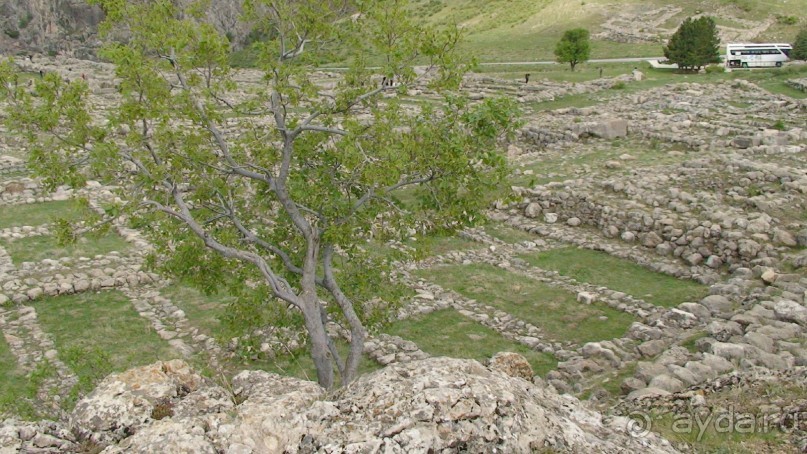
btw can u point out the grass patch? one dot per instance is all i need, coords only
(17, 389)
(508, 234)
(554, 310)
(99, 333)
(203, 311)
(38, 248)
(599, 268)
(449, 333)
(433, 245)
(690, 343)
(594, 156)
(41, 213)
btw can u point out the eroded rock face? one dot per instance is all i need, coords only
(124, 402)
(49, 26)
(435, 404)
(70, 27)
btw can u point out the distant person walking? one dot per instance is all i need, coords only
(527, 78)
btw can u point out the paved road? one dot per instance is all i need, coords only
(515, 63)
(595, 60)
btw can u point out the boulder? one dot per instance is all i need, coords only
(646, 371)
(533, 210)
(717, 304)
(586, 297)
(124, 402)
(728, 351)
(512, 364)
(791, 311)
(652, 347)
(667, 383)
(610, 129)
(724, 330)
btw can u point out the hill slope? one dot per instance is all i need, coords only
(497, 30)
(507, 30)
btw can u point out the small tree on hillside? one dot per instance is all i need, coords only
(695, 44)
(574, 47)
(275, 189)
(799, 51)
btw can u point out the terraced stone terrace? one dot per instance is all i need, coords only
(656, 241)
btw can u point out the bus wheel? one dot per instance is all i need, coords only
(778, 64)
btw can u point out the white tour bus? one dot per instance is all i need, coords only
(757, 55)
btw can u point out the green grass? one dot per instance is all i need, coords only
(41, 213)
(99, 333)
(449, 333)
(38, 248)
(434, 245)
(690, 343)
(554, 310)
(563, 166)
(612, 381)
(16, 388)
(508, 234)
(599, 268)
(203, 311)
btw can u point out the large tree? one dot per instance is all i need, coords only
(696, 43)
(270, 190)
(799, 51)
(574, 47)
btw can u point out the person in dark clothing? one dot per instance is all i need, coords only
(527, 78)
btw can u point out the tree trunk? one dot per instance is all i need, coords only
(320, 352)
(357, 331)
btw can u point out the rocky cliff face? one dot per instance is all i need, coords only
(431, 405)
(70, 27)
(48, 26)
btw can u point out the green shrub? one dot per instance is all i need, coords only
(13, 34)
(779, 125)
(618, 86)
(787, 20)
(25, 20)
(715, 69)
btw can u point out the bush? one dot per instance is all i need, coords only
(25, 20)
(713, 69)
(787, 20)
(13, 34)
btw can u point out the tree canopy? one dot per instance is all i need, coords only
(799, 51)
(574, 47)
(278, 190)
(695, 44)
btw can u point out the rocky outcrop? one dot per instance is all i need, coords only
(436, 404)
(70, 27)
(49, 26)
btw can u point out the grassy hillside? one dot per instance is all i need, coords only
(510, 30)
